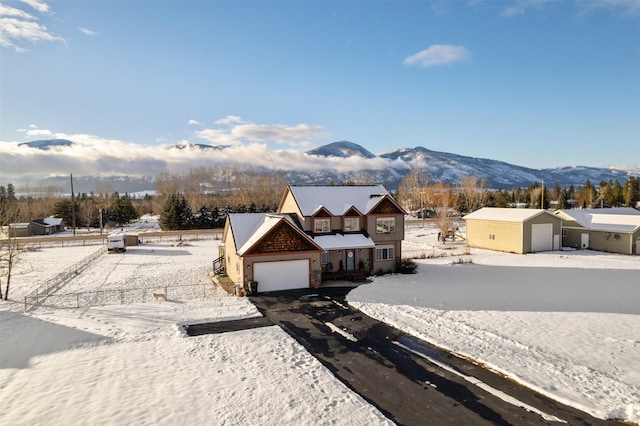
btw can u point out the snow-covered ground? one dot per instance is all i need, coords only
(564, 323)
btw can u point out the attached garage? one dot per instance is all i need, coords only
(513, 230)
(283, 275)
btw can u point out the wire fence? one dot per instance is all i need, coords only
(55, 283)
(122, 296)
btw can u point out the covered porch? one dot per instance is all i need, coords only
(346, 256)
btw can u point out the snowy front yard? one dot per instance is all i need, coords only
(564, 323)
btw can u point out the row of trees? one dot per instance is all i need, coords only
(416, 192)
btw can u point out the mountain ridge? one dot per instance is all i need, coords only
(388, 167)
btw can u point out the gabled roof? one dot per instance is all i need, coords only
(249, 228)
(337, 199)
(53, 221)
(48, 221)
(505, 214)
(604, 219)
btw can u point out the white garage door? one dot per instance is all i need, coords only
(286, 275)
(542, 237)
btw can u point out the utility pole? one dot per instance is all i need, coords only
(542, 196)
(73, 207)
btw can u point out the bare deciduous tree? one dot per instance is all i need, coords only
(9, 252)
(413, 190)
(443, 203)
(470, 193)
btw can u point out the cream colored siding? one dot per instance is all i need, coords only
(495, 235)
(289, 205)
(233, 262)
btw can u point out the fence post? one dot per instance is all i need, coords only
(25, 303)
(122, 297)
(77, 301)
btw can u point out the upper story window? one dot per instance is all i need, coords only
(351, 224)
(385, 225)
(322, 225)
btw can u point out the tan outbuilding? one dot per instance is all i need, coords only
(613, 230)
(513, 230)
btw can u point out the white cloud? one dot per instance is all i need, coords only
(229, 119)
(438, 54)
(193, 122)
(93, 155)
(16, 31)
(38, 5)
(16, 13)
(239, 132)
(37, 133)
(19, 27)
(88, 32)
(521, 6)
(627, 8)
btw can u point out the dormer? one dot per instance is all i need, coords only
(352, 220)
(321, 221)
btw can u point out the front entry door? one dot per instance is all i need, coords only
(351, 260)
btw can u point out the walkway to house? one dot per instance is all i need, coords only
(227, 326)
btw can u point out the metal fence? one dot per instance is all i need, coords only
(121, 296)
(54, 284)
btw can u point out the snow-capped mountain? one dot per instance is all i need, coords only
(47, 144)
(450, 168)
(131, 167)
(342, 149)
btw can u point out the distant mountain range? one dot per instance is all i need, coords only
(390, 168)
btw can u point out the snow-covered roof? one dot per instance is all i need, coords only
(505, 214)
(22, 225)
(604, 219)
(52, 221)
(249, 228)
(343, 241)
(337, 199)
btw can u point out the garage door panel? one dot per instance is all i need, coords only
(542, 237)
(285, 275)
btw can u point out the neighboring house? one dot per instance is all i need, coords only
(513, 230)
(47, 226)
(20, 230)
(319, 233)
(614, 230)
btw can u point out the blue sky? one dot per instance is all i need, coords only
(534, 83)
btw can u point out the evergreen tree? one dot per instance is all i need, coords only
(176, 213)
(63, 209)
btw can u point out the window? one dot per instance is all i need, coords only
(384, 253)
(565, 232)
(322, 225)
(385, 225)
(492, 236)
(325, 257)
(351, 224)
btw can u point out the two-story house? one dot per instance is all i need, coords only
(319, 233)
